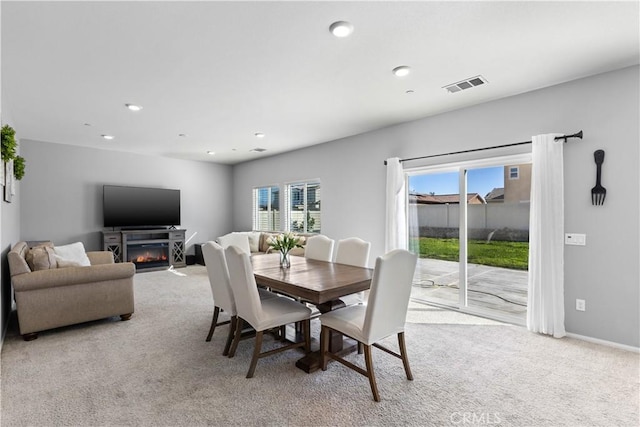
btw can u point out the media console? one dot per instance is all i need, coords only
(149, 250)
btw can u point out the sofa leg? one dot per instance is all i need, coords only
(30, 336)
(125, 316)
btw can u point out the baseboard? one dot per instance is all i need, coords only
(604, 342)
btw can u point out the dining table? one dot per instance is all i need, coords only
(320, 283)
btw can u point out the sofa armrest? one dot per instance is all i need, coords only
(72, 276)
(100, 257)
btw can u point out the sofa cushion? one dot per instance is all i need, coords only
(264, 241)
(72, 255)
(41, 257)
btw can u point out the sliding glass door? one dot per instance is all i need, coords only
(469, 224)
(434, 235)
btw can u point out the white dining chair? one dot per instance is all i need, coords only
(223, 300)
(236, 239)
(261, 314)
(383, 316)
(353, 251)
(319, 247)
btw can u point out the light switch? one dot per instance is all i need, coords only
(575, 239)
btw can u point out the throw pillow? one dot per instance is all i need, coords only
(235, 239)
(74, 252)
(254, 239)
(41, 258)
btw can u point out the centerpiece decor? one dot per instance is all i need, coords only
(283, 243)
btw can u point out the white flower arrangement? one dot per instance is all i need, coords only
(285, 242)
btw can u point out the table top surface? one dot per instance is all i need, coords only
(314, 281)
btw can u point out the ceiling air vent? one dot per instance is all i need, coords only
(465, 84)
(258, 150)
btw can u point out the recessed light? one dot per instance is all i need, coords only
(183, 135)
(259, 135)
(258, 150)
(87, 124)
(108, 136)
(133, 107)
(401, 71)
(410, 91)
(211, 153)
(341, 28)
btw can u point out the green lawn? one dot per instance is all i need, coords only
(514, 255)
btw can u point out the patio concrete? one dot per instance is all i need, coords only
(499, 290)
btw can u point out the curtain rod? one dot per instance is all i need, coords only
(565, 137)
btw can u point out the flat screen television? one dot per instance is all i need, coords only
(140, 207)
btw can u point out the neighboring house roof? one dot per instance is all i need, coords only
(441, 199)
(495, 195)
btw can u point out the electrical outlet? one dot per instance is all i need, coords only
(575, 239)
(581, 305)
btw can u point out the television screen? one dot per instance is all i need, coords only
(140, 207)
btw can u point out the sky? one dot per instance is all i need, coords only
(480, 181)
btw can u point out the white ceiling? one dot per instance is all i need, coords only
(222, 71)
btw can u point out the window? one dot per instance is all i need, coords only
(266, 208)
(303, 207)
(514, 172)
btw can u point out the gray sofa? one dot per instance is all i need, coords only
(53, 297)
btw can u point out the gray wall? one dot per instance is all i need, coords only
(9, 234)
(605, 272)
(61, 193)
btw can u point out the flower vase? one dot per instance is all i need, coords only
(285, 261)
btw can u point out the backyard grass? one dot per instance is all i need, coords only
(514, 255)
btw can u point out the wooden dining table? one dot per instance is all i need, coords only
(317, 282)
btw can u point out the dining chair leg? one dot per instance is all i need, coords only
(307, 335)
(216, 312)
(372, 379)
(236, 337)
(256, 354)
(403, 354)
(230, 335)
(324, 347)
(359, 347)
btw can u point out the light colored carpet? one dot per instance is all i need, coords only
(157, 370)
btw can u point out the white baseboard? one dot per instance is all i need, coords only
(604, 342)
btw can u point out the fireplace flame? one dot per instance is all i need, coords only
(150, 256)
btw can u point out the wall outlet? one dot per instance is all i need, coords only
(575, 239)
(581, 305)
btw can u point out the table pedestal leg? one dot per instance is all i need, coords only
(311, 362)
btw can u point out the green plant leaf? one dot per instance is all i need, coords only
(8, 143)
(19, 167)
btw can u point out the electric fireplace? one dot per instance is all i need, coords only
(148, 255)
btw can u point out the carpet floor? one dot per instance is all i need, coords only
(157, 370)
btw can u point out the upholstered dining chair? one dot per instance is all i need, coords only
(383, 316)
(353, 251)
(261, 314)
(235, 239)
(319, 247)
(218, 272)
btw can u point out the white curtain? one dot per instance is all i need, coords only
(396, 219)
(545, 312)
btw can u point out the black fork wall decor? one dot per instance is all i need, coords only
(598, 193)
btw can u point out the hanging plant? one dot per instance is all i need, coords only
(18, 167)
(8, 143)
